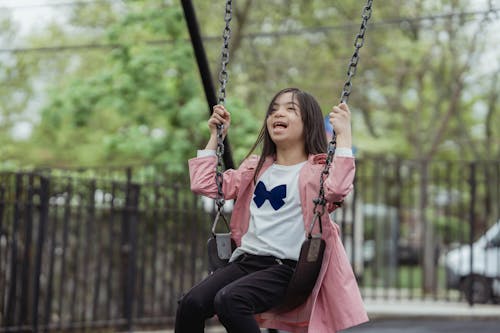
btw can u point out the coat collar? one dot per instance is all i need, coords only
(312, 158)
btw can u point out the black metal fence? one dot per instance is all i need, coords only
(404, 220)
(82, 250)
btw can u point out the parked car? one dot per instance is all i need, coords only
(481, 284)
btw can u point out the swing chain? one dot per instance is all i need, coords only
(226, 35)
(223, 78)
(320, 202)
(358, 44)
(219, 169)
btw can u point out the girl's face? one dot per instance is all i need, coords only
(284, 122)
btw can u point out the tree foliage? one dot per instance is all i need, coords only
(422, 88)
(132, 94)
(16, 91)
(142, 104)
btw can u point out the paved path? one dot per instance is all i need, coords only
(428, 326)
(430, 309)
(419, 317)
(414, 325)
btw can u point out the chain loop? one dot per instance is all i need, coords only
(320, 202)
(358, 43)
(223, 78)
(226, 36)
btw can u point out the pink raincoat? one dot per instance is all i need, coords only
(335, 302)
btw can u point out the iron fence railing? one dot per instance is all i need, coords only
(405, 220)
(87, 249)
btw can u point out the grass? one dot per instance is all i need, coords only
(403, 281)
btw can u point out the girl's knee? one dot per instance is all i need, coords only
(222, 303)
(227, 304)
(189, 304)
(190, 316)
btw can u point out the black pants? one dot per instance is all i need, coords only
(249, 285)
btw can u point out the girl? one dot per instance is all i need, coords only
(273, 210)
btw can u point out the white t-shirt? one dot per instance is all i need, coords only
(276, 226)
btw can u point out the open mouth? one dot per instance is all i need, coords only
(280, 124)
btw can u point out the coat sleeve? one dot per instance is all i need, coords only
(339, 182)
(202, 177)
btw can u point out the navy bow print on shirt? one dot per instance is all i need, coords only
(275, 196)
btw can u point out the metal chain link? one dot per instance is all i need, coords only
(223, 78)
(358, 44)
(226, 36)
(320, 202)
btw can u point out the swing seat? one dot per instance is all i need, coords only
(305, 275)
(220, 247)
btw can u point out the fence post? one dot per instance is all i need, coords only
(26, 273)
(429, 267)
(12, 295)
(472, 225)
(42, 229)
(129, 250)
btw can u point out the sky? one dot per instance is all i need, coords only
(33, 14)
(29, 14)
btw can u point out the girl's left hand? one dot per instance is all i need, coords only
(340, 119)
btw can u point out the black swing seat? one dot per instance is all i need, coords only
(305, 275)
(220, 246)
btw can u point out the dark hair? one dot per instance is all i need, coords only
(314, 128)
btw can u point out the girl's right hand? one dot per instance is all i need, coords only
(220, 116)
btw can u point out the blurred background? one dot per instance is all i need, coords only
(111, 82)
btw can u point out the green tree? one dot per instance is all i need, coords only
(414, 97)
(144, 103)
(16, 91)
(419, 96)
